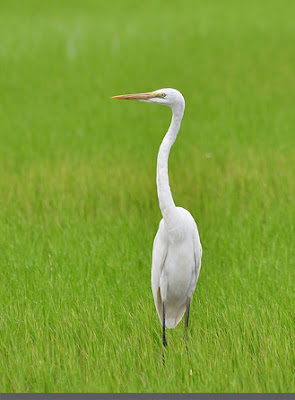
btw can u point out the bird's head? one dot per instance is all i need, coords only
(168, 97)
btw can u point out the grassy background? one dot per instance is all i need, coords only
(78, 205)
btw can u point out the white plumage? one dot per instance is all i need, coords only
(175, 266)
(177, 250)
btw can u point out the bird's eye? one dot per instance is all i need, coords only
(162, 95)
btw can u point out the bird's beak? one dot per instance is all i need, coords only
(136, 96)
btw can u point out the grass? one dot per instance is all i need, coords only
(78, 205)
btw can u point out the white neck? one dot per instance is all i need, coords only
(166, 202)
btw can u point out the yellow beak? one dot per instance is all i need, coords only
(136, 96)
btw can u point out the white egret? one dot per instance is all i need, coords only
(177, 250)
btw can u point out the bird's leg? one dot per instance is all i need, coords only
(188, 302)
(164, 334)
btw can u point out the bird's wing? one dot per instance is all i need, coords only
(198, 259)
(198, 254)
(160, 249)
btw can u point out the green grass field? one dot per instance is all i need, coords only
(78, 203)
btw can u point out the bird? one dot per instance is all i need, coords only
(177, 249)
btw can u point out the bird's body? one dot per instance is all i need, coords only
(175, 267)
(177, 250)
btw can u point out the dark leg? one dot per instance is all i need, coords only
(188, 302)
(164, 335)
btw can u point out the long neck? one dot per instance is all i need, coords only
(166, 202)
